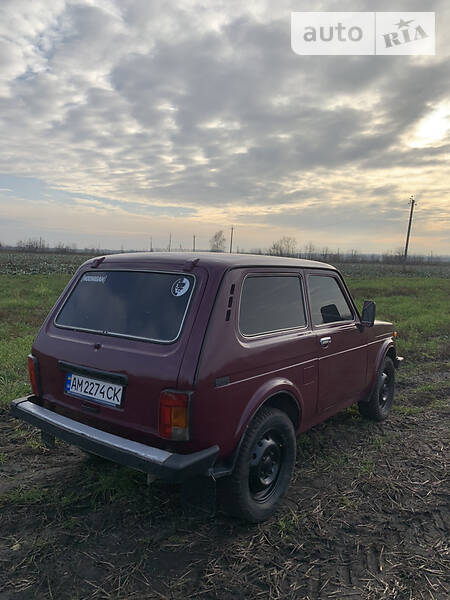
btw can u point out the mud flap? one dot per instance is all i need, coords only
(198, 497)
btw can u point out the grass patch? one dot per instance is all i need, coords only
(417, 306)
(367, 466)
(111, 482)
(24, 496)
(402, 409)
(25, 301)
(432, 395)
(96, 485)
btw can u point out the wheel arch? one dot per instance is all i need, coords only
(282, 396)
(285, 402)
(391, 352)
(278, 392)
(388, 349)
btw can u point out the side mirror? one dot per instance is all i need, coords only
(368, 313)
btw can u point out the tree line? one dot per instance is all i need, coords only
(284, 246)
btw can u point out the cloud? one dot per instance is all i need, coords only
(198, 111)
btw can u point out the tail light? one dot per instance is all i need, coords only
(174, 415)
(33, 372)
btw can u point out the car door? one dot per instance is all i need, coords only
(341, 342)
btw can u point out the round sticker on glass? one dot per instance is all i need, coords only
(180, 286)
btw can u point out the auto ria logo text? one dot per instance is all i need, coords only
(405, 34)
(363, 33)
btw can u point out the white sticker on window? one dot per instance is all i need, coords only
(95, 278)
(180, 286)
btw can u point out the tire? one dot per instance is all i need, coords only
(263, 468)
(379, 404)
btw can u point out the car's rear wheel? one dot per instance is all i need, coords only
(263, 468)
(380, 402)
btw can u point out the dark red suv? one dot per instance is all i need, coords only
(206, 364)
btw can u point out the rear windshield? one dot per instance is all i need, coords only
(150, 306)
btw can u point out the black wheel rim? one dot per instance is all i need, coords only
(265, 465)
(385, 389)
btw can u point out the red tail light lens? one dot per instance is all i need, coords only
(174, 415)
(33, 372)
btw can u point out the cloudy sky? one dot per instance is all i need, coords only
(125, 119)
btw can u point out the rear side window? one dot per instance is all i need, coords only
(328, 303)
(150, 306)
(271, 303)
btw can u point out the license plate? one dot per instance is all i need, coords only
(93, 389)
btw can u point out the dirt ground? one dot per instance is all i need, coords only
(367, 517)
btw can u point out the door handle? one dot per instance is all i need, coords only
(325, 341)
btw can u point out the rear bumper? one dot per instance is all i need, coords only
(166, 465)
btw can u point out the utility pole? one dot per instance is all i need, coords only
(193, 243)
(231, 240)
(412, 202)
(170, 241)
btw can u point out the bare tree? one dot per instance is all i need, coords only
(285, 246)
(309, 250)
(354, 256)
(33, 245)
(217, 242)
(325, 253)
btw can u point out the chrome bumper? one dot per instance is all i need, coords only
(166, 465)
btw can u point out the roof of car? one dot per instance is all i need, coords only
(212, 259)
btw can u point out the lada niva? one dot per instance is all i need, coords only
(206, 364)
